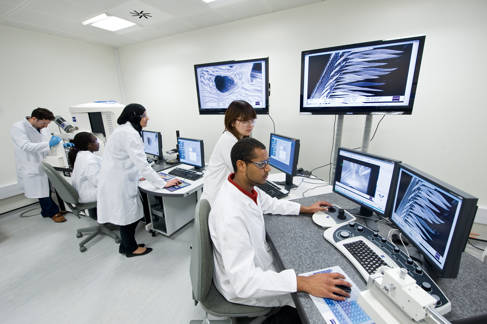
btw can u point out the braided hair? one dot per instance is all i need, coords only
(81, 142)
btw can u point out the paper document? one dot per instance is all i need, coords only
(340, 312)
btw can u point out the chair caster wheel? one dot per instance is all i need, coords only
(82, 249)
(78, 235)
(153, 233)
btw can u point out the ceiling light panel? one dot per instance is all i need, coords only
(113, 23)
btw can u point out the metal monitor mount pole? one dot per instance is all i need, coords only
(338, 143)
(366, 137)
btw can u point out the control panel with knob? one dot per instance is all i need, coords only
(367, 250)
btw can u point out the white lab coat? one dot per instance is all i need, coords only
(124, 163)
(30, 148)
(244, 270)
(219, 166)
(84, 177)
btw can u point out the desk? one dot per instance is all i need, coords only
(169, 211)
(299, 244)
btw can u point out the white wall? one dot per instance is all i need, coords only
(40, 70)
(445, 136)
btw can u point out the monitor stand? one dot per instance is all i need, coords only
(160, 165)
(366, 212)
(288, 184)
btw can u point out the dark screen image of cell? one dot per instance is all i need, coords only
(224, 83)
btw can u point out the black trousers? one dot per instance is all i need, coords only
(127, 238)
(48, 207)
(285, 315)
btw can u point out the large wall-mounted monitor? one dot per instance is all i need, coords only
(284, 155)
(372, 77)
(220, 83)
(435, 217)
(365, 179)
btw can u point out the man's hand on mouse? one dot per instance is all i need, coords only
(324, 285)
(172, 182)
(316, 207)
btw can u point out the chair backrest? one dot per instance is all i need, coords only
(201, 268)
(65, 190)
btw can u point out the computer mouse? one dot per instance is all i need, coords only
(331, 209)
(346, 289)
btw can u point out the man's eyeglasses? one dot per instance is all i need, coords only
(261, 164)
(250, 122)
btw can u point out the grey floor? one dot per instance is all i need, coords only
(45, 279)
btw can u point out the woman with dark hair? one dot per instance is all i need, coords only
(124, 163)
(86, 166)
(239, 122)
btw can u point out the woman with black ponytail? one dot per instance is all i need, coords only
(124, 163)
(86, 166)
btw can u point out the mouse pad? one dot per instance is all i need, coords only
(347, 311)
(167, 177)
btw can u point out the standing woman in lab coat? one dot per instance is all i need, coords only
(124, 163)
(239, 122)
(32, 143)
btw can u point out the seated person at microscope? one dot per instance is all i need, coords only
(86, 167)
(244, 269)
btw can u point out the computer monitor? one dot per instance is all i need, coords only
(435, 217)
(152, 143)
(372, 77)
(191, 152)
(220, 83)
(365, 179)
(284, 155)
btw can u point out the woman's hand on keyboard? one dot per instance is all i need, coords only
(172, 182)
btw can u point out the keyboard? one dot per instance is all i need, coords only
(186, 174)
(348, 312)
(367, 251)
(272, 190)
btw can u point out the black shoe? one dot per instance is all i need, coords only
(121, 251)
(147, 251)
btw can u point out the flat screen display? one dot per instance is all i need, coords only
(218, 84)
(282, 153)
(191, 152)
(427, 213)
(365, 179)
(152, 143)
(363, 78)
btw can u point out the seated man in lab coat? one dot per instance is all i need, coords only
(32, 143)
(244, 270)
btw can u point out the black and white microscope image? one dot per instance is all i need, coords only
(426, 210)
(364, 72)
(220, 85)
(355, 175)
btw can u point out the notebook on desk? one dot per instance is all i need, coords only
(167, 177)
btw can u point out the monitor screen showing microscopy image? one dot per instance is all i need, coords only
(426, 212)
(218, 84)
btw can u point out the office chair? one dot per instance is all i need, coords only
(70, 196)
(201, 271)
